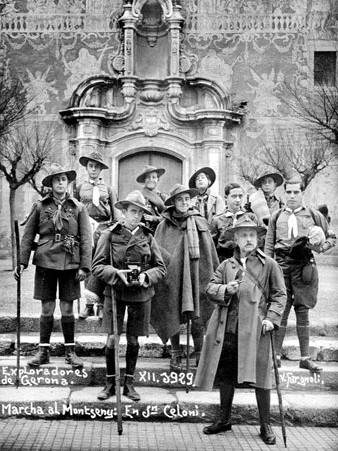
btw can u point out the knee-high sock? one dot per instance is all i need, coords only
(303, 331)
(68, 326)
(131, 358)
(46, 327)
(110, 361)
(175, 344)
(280, 333)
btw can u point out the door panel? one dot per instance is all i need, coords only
(132, 166)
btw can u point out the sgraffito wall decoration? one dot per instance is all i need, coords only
(206, 55)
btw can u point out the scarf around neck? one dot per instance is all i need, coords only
(191, 234)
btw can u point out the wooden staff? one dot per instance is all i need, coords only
(279, 394)
(188, 356)
(18, 302)
(116, 356)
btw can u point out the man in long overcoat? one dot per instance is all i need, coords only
(250, 294)
(190, 256)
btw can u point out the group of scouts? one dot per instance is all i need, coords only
(234, 272)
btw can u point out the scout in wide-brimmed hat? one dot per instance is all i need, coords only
(244, 222)
(134, 198)
(179, 189)
(57, 169)
(210, 173)
(94, 156)
(277, 178)
(147, 170)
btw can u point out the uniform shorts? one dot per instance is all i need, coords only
(47, 280)
(138, 317)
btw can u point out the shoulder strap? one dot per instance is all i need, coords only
(251, 277)
(278, 213)
(313, 215)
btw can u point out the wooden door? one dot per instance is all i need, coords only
(132, 166)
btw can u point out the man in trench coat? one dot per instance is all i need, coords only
(250, 294)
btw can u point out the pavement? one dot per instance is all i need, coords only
(18, 434)
(54, 407)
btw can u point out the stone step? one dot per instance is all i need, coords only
(151, 372)
(159, 404)
(324, 327)
(321, 348)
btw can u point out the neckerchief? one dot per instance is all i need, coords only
(292, 222)
(57, 216)
(202, 204)
(96, 191)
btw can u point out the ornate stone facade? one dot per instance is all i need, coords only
(149, 79)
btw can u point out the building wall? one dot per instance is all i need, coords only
(247, 47)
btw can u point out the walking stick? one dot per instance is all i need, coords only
(279, 394)
(116, 356)
(188, 356)
(18, 303)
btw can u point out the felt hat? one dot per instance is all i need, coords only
(135, 198)
(207, 171)
(244, 222)
(277, 178)
(93, 156)
(56, 169)
(179, 189)
(147, 170)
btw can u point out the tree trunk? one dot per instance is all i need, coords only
(12, 197)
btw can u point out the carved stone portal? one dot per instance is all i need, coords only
(149, 93)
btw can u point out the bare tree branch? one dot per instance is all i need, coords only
(300, 153)
(315, 109)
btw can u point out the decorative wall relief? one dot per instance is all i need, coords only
(220, 70)
(267, 85)
(39, 89)
(81, 68)
(151, 120)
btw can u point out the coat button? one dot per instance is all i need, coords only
(222, 322)
(218, 341)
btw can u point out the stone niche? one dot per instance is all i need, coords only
(149, 109)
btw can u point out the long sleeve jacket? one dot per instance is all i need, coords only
(68, 248)
(125, 247)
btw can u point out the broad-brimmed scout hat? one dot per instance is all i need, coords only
(277, 178)
(207, 171)
(56, 169)
(94, 156)
(135, 198)
(244, 222)
(147, 170)
(179, 189)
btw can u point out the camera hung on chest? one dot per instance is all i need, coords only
(135, 268)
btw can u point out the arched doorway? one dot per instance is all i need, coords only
(132, 165)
